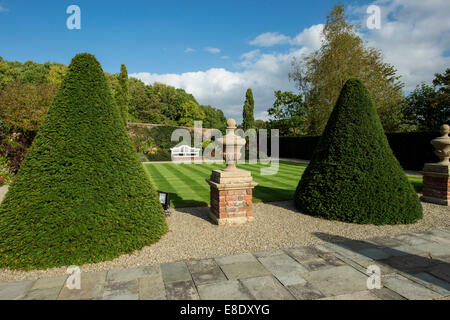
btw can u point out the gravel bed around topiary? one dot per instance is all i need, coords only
(278, 225)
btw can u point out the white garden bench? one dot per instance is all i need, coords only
(185, 151)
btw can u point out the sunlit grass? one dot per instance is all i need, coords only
(187, 186)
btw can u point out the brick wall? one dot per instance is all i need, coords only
(231, 203)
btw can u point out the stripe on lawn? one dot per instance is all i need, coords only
(184, 196)
(255, 167)
(193, 184)
(161, 183)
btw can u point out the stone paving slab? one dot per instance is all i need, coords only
(409, 289)
(43, 294)
(244, 270)
(337, 280)
(91, 287)
(226, 290)
(152, 288)
(387, 294)
(413, 266)
(305, 291)
(126, 290)
(266, 288)
(285, 269)
(14, 290)
(361, 295)
(181, 290)
(205, 271)
(121, 275)
(175, 271)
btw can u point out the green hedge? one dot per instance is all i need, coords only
(353, 175)
(158, 137)
(412, 149)
(81, 195)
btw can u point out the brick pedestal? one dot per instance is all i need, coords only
(231, 196)
(436, 184)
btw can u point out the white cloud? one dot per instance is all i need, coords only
(250, 55)
(189, 50)
(413, 37)
(225, 57)
(225, 89)
(212, 50)
(269, 39)
(310, 37)
(3, 9)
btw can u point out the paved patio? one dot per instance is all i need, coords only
(413, 266)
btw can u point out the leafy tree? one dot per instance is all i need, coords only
(214, 118)
(247, 114)
(24, 105)
(441, 101)
(56, 73)
(123, 93)
(81, 194)
(113, 83)
(35, 73)
(143, 106)
(9, 72)
(260, 124)
(344, 55)
(429, 107)
(353, 175)
(189, 112)
(287, 112)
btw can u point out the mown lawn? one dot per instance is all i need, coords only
(188, 188)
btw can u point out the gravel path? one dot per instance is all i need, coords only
(277, 225)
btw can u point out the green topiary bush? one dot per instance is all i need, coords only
(353, 175)
(81, 194)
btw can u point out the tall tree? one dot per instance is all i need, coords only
(123, 93)
(56, 73)
(248, 112)
(9, 72)
(144, 107)
(428, 107)
(190, 111)
(441, 83)
(214, 118)
(287, 112)
(343, 55)
(81, 194)
(24, 105)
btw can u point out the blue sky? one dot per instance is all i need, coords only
(150, 35)
(216, 49)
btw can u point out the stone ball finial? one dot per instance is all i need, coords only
(445, 129)
(231, 123)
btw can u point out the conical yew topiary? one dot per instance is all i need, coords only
(81, 194)
(353, 175)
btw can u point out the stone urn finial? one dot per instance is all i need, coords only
(231, 123)
(442, 145)
(231, 145)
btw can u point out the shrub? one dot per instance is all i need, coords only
(353, 175)
(13, 151)
(81, 194)
(160, 155)
(140, 139)
(5, 174)
(154, 143)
